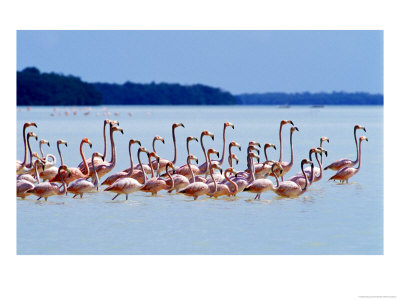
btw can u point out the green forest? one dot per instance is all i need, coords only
(37, 88)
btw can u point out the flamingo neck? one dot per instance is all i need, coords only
(113, 150)
(174, 140)
(291, 149)
(223, 149)
(213, 179)
(190, 168)
(280, 143)
(320, 167)
(359, 162)
(151, 167)
(105, 141)
(96, 183)
(252, 170)
(84, 159)
(229, 157)
(64, 185)
(40, 149)
(154, 142)
(30, 153)
(169, 175)
(276, 178)
(141, 167)
(36, 171)
(265, 153)
(305, 178)
(204, 151)
(25, 148)
(59, 152)
(355, 139)
(131, 160)
(235, 186)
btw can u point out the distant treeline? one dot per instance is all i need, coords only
(335, 98)
(36, 88)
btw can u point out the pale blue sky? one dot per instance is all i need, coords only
(236, 61)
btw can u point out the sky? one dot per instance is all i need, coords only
(235, 61)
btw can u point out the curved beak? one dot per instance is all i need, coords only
(273, 146)
(197, 161)
(240, 148)
(217, 154)
(296, 129)
(366, 139)
(122, 131)
(291, 122)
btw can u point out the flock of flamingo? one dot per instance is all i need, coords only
(190, 179)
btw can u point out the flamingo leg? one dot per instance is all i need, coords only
(81, 195)
(126, 197)
(39, 198)
(74, 196)
(115, 196)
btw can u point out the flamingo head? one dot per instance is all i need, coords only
(65, 168)
(268, 145)
(293, 129)
(277, 167)
(233, 156)
(213, 151)
(177, 125)
(206, 132)
(253, 148)
(133, 141)
(253, 143)
(106, 121)
(39, 161)
(215, 165)
(112, 123)
(171, 165)
(153, 154)
(87, 141)
(356, 127)
(323, 138)
(363, 138)
(143, 149)
(44, 142)
(62, 142)
(228, 124)
(231, 171)
(284, 122)
(253, 155)
(32, 134)
(306, 161)
(234, 144)
(97, 154)
(191, 138)
(159, 138)
(28, 124)
(192, 157)
(116, 128)
(322, 150)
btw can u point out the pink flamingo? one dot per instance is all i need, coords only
(24, 185)
(51, 172)
(156, 184)
(194, 189)
(347, 172)
(102, 168)
(261, 185)
(288, 165)
(345, 162)
(204, 167)
(246, 174)
(291, 189)
(163, 162)
(112, 178)
(82, 185)
(81, 166)
(29, 177)
(233, 156)
(299, 178)
(28, 167)
(225, 189)
(20, 165)
(283, 122)
(128, 185)
(48, 189)
(263, 169)
(53, 158)
(74, 173)
(184, 170)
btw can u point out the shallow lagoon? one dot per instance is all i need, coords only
(328, 219)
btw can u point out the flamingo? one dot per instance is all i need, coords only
(28, 167)
(263, 169)
(299, 178)
(288, 165)
(291, 189)
(347, 172)
(204, 167)
(128, 185)
(20, 165)
(53, 158)
(98, 160)
(196, 188)
(82, 185)
(74, 173)
(156, 184)
(345, 162)
(51, 172)
(231, 158)
(105, 167)
(247, 174)
(283, 122)
(163, 162)
(24, 185)
(214, 165)
(112, 178)
(225, 189)
(48, 189)
(261, 185)
(29, 177)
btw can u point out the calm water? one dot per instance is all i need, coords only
(328, 219)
